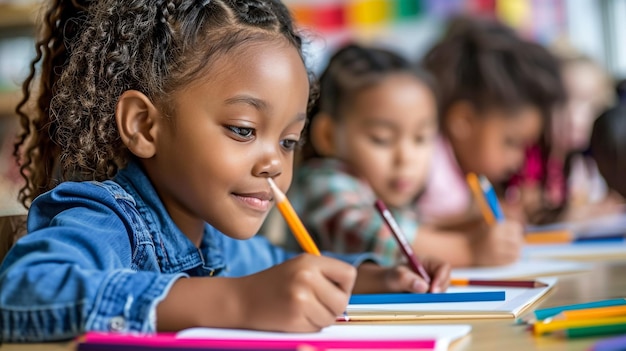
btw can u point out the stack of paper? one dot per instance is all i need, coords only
(516, 301)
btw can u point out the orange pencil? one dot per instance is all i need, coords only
(286, 210)
(549, 237)
(591, 313)
(474, 184)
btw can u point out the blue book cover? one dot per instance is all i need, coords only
(365, 299)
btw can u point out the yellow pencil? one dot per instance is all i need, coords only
(548, 327)
(590, 313)
(286, 210)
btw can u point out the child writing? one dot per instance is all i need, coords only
(371, 135)
(167, 118)
(559, 181)
(496, 91)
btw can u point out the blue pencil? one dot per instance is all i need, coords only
(491, 197)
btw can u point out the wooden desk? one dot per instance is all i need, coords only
(604, 281)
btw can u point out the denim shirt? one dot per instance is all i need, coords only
(101, 255)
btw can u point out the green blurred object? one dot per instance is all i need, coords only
(406, 9)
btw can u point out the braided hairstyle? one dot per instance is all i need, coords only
(351, 70)
(92, 54)
(487, 64)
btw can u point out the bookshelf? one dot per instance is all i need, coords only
(17, 32)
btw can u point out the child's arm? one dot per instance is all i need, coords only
(303, 294)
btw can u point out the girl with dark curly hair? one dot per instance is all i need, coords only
(157, 125)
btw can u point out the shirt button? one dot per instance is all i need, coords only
(117, 324)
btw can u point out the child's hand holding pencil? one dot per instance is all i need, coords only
(501, 241)
(322, 285)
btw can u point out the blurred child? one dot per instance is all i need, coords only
(559, 180)
(371, 135)
(608, 147)
(496, 92)
(163, 124)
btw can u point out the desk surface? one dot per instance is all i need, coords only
(605, 280)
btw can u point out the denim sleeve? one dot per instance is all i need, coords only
(72, 274)
(246, 257)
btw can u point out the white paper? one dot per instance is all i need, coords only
(522, 269)
(444, 334)
(576, 251)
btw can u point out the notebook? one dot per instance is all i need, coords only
(516, 302)
(336, 337)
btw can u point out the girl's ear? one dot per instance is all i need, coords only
(323, 134)
(136, 118)
(460, 120)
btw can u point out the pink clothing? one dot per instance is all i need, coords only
(446, 193)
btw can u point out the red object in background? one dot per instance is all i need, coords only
(325, 17)
(483, 7)
(329, 16)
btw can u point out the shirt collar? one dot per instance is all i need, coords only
(175, 251)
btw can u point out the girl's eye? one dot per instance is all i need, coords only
(289, 144)
(242, 132)
(382, 141)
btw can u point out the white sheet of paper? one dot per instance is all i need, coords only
(589, 228)
(522, 269)
(516, 301)
(577, 251)
(444, 334)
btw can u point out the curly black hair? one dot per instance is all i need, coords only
(92, 51)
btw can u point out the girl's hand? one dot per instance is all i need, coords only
(372, 278)
(500, 245)
(304, 294)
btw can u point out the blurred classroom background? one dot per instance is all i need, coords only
(591, 27)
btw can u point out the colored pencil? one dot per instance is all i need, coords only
(590, 313)
(474, 184)
(504, 283)
(286, 210)
(406, 248)
(549, 237)
(596, 330)
(544, 313)
(492, 197)
(540, 328)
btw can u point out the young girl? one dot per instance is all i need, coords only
(165, 120)
(559, 180)
(371, 136)
(496, 92)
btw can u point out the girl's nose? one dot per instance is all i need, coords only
(268, 165)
